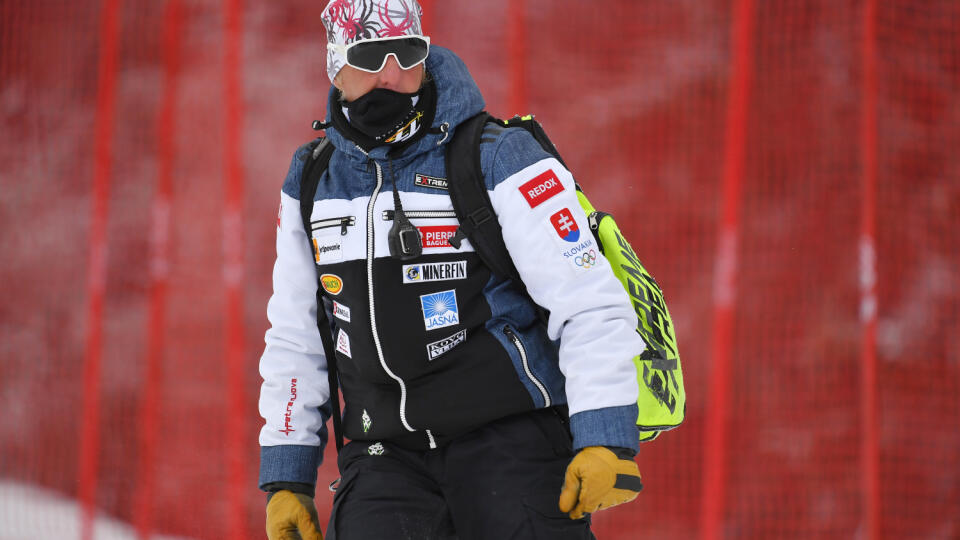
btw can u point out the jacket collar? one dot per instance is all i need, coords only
(458, 98)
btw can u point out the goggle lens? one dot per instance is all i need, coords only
(372, 55)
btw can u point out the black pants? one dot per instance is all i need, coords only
(500, 482)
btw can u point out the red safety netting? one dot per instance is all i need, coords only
(787, 170)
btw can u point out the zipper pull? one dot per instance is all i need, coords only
(344, 222)
(593, 220)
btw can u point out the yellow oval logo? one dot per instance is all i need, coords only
(331, 283)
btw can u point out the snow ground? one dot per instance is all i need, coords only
(29, 512)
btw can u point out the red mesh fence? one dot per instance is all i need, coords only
(787, 170)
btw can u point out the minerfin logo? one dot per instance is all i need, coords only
(375, 449)
(440, 309)
(441, 271)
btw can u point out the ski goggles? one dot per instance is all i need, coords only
(371, 55)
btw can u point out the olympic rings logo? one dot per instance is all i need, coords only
(586, 260)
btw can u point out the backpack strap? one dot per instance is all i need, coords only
(530, 124)
(317, 162)
(468, 192)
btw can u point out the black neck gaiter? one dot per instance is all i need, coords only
(380, 112)
(384, 117)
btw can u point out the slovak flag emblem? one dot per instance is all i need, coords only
(565, 225)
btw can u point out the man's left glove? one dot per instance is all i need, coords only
(597, 478)
(289, 513)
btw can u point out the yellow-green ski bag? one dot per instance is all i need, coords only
(662, 400)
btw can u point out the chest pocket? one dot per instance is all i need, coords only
(328, 236)
(436, 227)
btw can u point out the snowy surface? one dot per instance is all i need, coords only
(29, 512)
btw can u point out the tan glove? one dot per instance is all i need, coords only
(596, 479)
(289, 513)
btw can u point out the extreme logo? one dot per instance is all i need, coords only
(423, 180)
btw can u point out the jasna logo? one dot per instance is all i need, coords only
(440, 309)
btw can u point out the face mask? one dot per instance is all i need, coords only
(380, 112)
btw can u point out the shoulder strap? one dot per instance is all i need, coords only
(468, 192)
(317, 162)
(530, 124)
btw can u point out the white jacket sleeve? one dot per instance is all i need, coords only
(293, 365)
(547, 235)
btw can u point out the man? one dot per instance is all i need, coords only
(470, 415)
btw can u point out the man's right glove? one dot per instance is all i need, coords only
(597, 478)
(289, 513)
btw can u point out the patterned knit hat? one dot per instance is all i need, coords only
(349, 21)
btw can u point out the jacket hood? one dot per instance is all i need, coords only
(458, 98)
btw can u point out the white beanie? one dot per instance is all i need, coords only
(348, 21)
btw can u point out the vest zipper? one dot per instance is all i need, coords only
(342, 222)
(593, 221)
(373, 311)
(420, 214)
(526, 366)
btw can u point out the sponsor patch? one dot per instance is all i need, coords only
(331, 283)
(583, 256)
(375, 449)
(565, 225)
(423, 180)
(541, 188)
(343, 343)
(288, 415)
(443, 271)
(436, 236)
(341, 311)
(438, 348)
(407, 131)
(587, 259)
(440, 309)
(326, 249)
